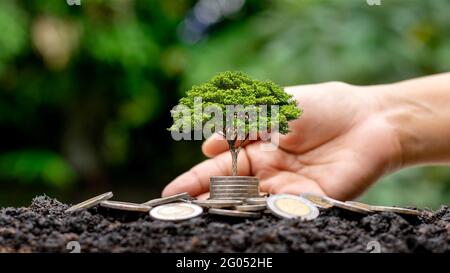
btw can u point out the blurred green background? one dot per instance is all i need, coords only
(85, 90)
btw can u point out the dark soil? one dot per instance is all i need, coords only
(44, 227)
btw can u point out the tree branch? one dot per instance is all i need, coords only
(243, 142)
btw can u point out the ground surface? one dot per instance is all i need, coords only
(44, 227)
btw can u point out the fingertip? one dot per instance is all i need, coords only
(206, 150)
(167, 191)
(203, 196)
(214, 145)
(183, 183)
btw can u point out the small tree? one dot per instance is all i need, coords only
(229, 103)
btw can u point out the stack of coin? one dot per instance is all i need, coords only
(234, 187)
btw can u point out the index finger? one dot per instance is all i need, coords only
(217, 144)
(214, 145)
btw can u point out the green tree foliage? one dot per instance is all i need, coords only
(324, 40)
(30, 166)
(81, 84)
(236, 125)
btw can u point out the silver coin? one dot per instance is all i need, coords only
(230, 178)
(317, 200)
(90, 202)
(238, 178)
(256, 201)
(217, 203)
(251, 207)
(168, 199)
(222, 196)
(176, 211)
(235, 191)
(232, 197)
(237, 182)
(234, 186)
(226, 184)
(238, 193)
(346, 206)
(396, 210)
(125, 206)
(255, 192)
(234, 213)
(359, 204)
(212, 180)
(292, 206)
(229, 198)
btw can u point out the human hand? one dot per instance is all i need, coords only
(338, 147)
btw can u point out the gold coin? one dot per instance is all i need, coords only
(291, 206)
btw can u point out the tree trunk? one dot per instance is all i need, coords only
(234, 156)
